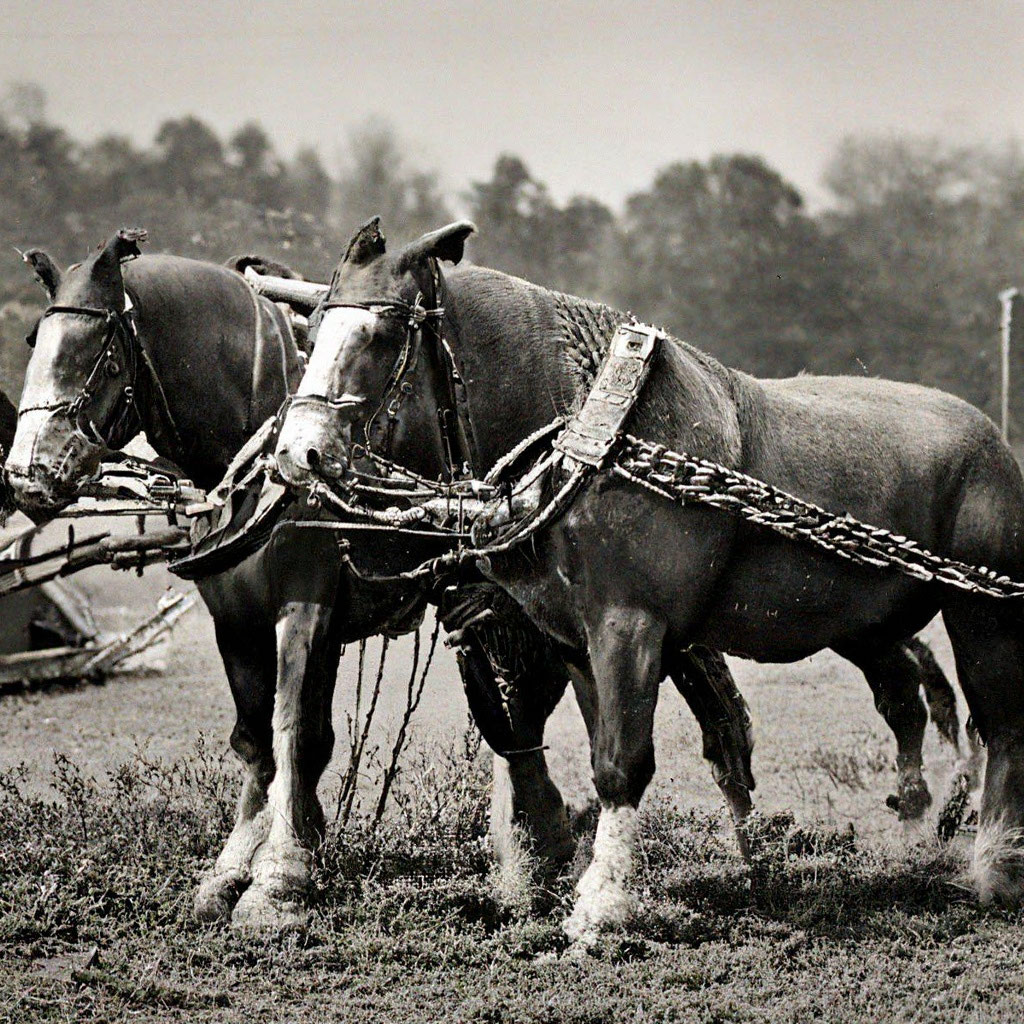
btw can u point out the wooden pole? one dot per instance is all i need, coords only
(1006, 297)
(285, 289)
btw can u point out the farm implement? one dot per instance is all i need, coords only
(49, 632)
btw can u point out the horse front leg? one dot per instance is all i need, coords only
(248, 655)
(619, 697)
(302, 745)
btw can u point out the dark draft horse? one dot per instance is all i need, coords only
(626, 580)
(208, 362)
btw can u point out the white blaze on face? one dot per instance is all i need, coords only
(309, 428)
(338, 329)
(41, 389)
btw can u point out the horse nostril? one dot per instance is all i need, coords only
(312, 458)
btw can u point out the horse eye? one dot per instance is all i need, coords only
(113, 367)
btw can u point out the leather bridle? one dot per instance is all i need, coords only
(121, 356)
(453, 419)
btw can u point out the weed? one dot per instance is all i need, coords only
(96, 883)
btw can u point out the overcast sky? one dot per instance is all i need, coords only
(594, 95)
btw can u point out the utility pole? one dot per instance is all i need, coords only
(1006, 297)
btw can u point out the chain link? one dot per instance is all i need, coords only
(689, 480)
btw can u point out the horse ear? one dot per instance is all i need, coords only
(125, 244)
(447, 243)
(367, 244)
(106, 267)
(46, 271)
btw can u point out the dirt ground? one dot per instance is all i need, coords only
(96, 880)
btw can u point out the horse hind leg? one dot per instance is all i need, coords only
(942, 709)
(988, 643)
(248, 656)
(895, 678)
(703, 679)
(513, 677)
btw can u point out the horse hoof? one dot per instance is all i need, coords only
(217, 895)
(912, 802)
(998, 866)
(602, 904)
(259, 911)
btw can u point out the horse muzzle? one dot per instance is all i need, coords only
(40, 495)
(312, 445)
(47, 464)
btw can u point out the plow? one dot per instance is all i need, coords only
(42, 605)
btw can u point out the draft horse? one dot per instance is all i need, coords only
(625, 580)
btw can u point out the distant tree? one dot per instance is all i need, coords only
(191, 158)
(524, 232)
(513, 213)
(376, 179)
(259, 173)
(23, 104)
(116, 171)
(934, 231)
(724, 254)
(309, 185)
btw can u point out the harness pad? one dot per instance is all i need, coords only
(589, 436)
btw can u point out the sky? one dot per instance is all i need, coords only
(595, 96)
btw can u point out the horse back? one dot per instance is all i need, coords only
(203, 322)
(894, 454)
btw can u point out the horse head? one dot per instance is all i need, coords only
(371, 380)
(78, 398)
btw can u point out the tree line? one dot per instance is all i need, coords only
(897, 275)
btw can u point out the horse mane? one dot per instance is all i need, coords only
(585, 330)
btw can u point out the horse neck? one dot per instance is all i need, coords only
(519, 347)
(528, 355)
(199, 327)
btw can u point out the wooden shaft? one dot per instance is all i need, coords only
(306, 294)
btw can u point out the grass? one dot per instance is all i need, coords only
(96, 884)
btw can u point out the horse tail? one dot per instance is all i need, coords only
(938, 693)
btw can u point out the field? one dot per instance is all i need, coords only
(114, 798)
